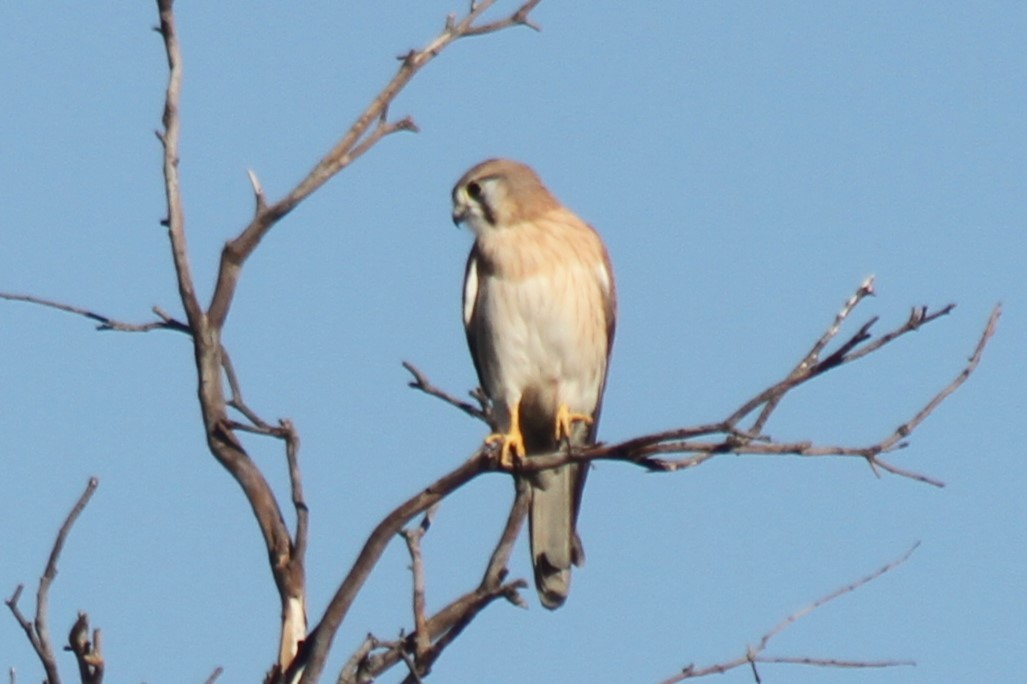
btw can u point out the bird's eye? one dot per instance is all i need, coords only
(474, 190)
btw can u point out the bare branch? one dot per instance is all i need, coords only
(812, 357)
(236, 401)
(103, 322)
(644, 451)
(214, 675)
(310, 659)
(907, 428)
(421, 382)
(518, 18)
(442, 629)
(849, 588)
(175, 221)
(25, 624)
(754, 654)
(292, 448)
(224, 444)
(88, 655)
(259, 201)
(648, 450)
(422, 641)
(370, 127)
(496, 570)
(38, 633)
(354, 670)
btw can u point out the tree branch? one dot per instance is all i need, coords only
(754, 654)
(165, 321)
(310, 659)
(642, 451)
(38, 632)
(442, 629)
(210, 359)
(421, 641)
(370, 127)
(649, 451)
(175, 221)
(88, 655)
(421, 382)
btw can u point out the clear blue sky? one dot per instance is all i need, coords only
(748, 164)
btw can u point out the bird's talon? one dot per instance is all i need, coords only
(565, 422)
(511, 448)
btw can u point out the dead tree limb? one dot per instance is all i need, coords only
(729, 437)
(88, 654)
(38, 630)
(754, 654)
(214, 368)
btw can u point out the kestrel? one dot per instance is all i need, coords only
(539, 308)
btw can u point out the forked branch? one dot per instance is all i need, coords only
(371, 126)
(38, 631)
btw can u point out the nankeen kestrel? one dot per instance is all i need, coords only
(539, 310)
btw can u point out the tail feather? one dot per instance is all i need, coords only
(554, 542)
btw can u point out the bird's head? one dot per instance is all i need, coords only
(499, 193)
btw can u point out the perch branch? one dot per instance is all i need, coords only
(754, 654)
(640, 450)
(725, 437)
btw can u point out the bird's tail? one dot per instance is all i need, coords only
(554, 541)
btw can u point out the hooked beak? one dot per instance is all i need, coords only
(459, 215)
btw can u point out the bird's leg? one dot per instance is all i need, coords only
(565, 422)
(511, 443)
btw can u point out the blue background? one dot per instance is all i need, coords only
(748, 165)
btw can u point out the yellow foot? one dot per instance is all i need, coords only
(565, 421)
(511, 447)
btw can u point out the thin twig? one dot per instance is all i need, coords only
(518, 18)
(103, 322)
(236, 400)
(446, 625)
(754, 654)
(421, 382)
(292, 448)
(496, 569)
(812, 357)
(38, 633)
(422, 640)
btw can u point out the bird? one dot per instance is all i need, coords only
(539, 310)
